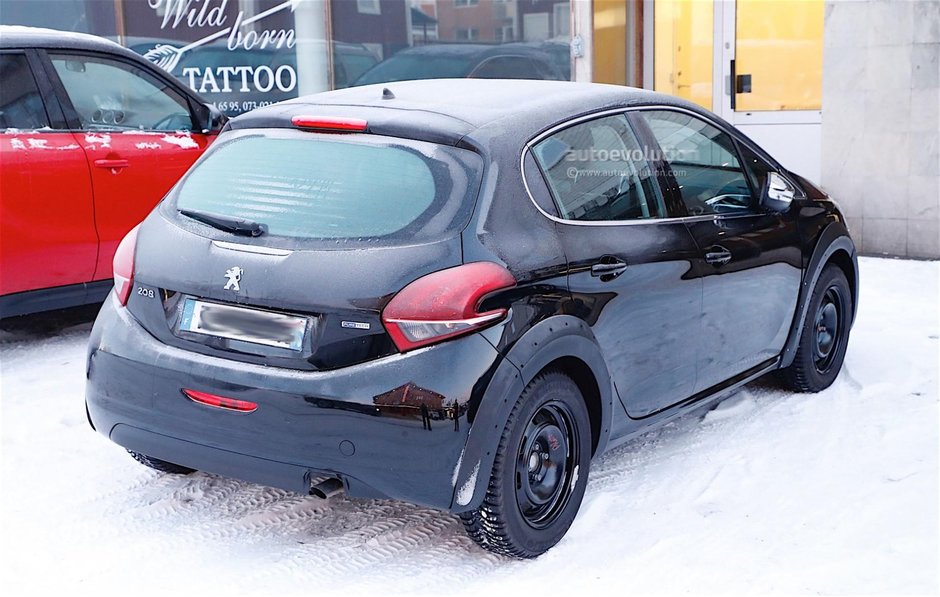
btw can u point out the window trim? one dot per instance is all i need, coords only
(736, 137)
(72, 120)
(470, 34)
(374, 7)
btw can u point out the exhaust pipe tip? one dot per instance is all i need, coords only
(327, 488)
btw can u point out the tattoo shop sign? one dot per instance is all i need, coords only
(241, 66)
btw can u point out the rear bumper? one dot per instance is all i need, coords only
(356, 423)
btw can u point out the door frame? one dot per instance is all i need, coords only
(723, 48)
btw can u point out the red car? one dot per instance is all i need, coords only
(92, 136)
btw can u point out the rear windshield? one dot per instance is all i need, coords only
(334, 187)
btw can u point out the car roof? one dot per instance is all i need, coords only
(17, 36)
(474, 52)
(447, 49)
(452, 111)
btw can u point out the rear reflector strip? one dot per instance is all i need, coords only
(331, 124)
(220, 401)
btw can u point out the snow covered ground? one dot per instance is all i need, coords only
(770, 492)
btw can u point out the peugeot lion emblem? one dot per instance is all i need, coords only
(234, 274)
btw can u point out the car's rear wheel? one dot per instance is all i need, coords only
(540, 471)
(825, 334)
(160, 465)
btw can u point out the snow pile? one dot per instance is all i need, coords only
(769, 492)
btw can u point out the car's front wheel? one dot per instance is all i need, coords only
(825, 334)
(540, 471)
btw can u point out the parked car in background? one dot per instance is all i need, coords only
(559, 53)
(455, 60)
(459, 292)
(92, 136)
(350, 61)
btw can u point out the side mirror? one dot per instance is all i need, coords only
(209, 119)
(778, 193)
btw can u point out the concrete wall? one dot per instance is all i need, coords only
(880, 126)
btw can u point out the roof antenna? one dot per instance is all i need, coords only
(387, 93)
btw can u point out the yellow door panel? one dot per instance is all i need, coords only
(682, 56)
(779, 45)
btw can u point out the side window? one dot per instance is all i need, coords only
(507, 67)
(114, 95)
(20, 103)
(704, 161)
(596, 171)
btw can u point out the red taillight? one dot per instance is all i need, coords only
(124, 266)
(445, 304)
(220, 401)
(331, 124)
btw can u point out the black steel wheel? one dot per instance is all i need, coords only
(540, 471)
(544, 464)
(160, 465)
(828, 325)
(825, 334)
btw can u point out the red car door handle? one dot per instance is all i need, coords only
(113, 164)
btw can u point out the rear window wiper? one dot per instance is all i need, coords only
(234, 225)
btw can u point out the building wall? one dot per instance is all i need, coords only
(881, 98)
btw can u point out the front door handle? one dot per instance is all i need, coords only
(608, 269)
(112, 164)
(717, 255)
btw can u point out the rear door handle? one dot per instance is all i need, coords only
(610, 267)
(717, 255)
(112, 164)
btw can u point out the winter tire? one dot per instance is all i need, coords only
(540, 471)
(825, 335)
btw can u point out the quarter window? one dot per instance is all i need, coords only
(704, 162)
(20, 104)
(597, 171)
(113, 95)
(757, 169)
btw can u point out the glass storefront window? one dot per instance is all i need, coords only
(422, 39)
(243, 54)
(683, 37)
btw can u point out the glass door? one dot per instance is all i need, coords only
(756, 63)
(771, 60)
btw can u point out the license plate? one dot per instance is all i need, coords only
(240, 323)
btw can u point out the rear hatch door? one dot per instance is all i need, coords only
(282, 246)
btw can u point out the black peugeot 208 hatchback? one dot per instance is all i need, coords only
(459, 292)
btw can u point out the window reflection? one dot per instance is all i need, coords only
(244, 54)
(423, 39)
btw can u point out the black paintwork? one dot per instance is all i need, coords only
(645, 342)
